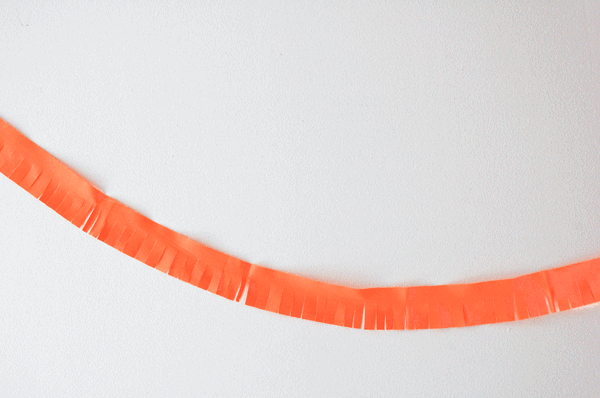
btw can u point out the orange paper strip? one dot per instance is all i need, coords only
(398, 308)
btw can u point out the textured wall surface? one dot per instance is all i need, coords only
(361, 144)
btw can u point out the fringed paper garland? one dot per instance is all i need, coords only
(397, 308)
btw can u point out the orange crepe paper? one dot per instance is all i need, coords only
(416, 307)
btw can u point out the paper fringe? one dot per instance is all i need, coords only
(397, 308)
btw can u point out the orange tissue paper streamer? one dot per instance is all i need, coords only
(397, 308)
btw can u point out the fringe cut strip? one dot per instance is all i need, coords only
(389, 308)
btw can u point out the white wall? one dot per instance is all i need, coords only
(359, 143)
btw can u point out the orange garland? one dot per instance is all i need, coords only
(418, 307)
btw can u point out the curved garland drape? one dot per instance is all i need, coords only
(416, 307)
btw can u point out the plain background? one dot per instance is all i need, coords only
(360, 143)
